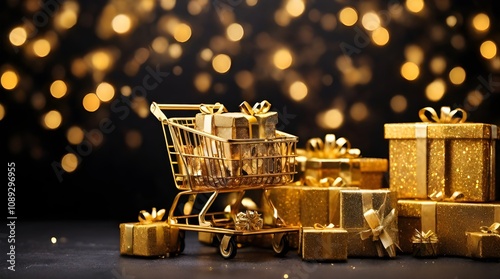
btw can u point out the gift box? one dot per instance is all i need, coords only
(149, 237)
(425, 245)
(484, 244)
(370, 218)
(286, 200)
(445, 157)
(415, 215)
(455, 219)
(323, 243)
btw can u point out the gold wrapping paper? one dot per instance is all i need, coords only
(442, 157)
(415, 215)
(323, 244)
(354, 204)
(484, 244)
(286, 199)
(154, 239)
(455, 219)
(320, 205)
(425, 245)
(345, 168)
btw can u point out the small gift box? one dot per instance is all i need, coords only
(370, 218)
(425, 245)
(444, 157)
(150, 237)
(323, 243)
(415, 216)
(335, 158)
(484, 244)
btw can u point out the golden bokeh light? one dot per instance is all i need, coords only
(9, 80)
(414, 53)
(58, 89)
(488, 49)
(437, 65)
(69, 162)
(206, 54)
(105, 91)
(167, 5)
(332, 119)
(435, 90)
(298, 91)
(175, 51)
(221, 63)
(295, 7)
(38, 101)
(370, 21)
(457, 75)
(380, 36)
(415, 6)
(251, 3)
(359, 111)
(348, 16)
(194, 7)
(328, 22)
(160, 44)
(481, 22)
(202, 82)
(133, 139)
(234, 32)
(282, 18)
(121, 23)
(282, 59)
(41, 47)
(398, 103)
(410, 71)
(451, 21)
(75, 135)
(66, 19)
(2, 112)
(101, 60)
(91, 102)
(78, 68)
(18, 36)
(182, 32)
(475, 98)
(244, 79)
(140, 106)
(52, 120)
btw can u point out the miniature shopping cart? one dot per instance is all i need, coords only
(203, 163)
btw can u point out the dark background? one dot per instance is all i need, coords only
(115, 180)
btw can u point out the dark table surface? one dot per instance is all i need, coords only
(87, 249)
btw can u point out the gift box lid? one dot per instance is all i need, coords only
(440, 131)
(231, 119)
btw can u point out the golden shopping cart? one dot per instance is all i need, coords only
(206, 164)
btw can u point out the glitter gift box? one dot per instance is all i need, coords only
(444, 158)
(370, 218)
(484, 244)
(286, 199)
(154, 239)
(415, 215)
(323, 243)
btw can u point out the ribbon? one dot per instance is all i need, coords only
(493, 229)
(148, 218)
(217, 108)
(440, 196)
(258, 108)
(248, 221)
(330, 148)
(377, 231)
(318, 226)
(447, 115)
(324, 182)
(421, 237)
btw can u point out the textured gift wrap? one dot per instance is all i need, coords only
(455, 219)
(415, 215)
(372, 172)
(286, 200)
(347, 169)
(444, 157)
(425, 244)
(154, 239)
(484, 244)
(370, 218)
(323, 244)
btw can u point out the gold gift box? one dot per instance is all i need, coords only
(483, 245)
(325, 244)
(354, 206)
(415, 215)
(286, 200)
(428, 158)
(455, 219)
(154, 239)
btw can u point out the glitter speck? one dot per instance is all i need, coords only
(53, 240)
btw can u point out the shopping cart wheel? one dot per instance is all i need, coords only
(280, 244)
(227, 247)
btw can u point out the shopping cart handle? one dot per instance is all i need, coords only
(156, 111)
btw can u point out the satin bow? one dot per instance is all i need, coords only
(447, 115)
(378, 231)
(330, 148)
(318, 226)
(421, 237)
(258, 108)
(217, 108)
(324, 182)
(248, 221)
(440, 196)
(494, 228)
(148, 218)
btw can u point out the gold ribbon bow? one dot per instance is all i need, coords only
(440, 196)
(494, 228)
(421, 237)
(325, 182)
(148, 218)
(331, 148)
(447, 116)
(318, 226)
(217, 108)
(258, 108)
(378, 232)
(248, 221)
